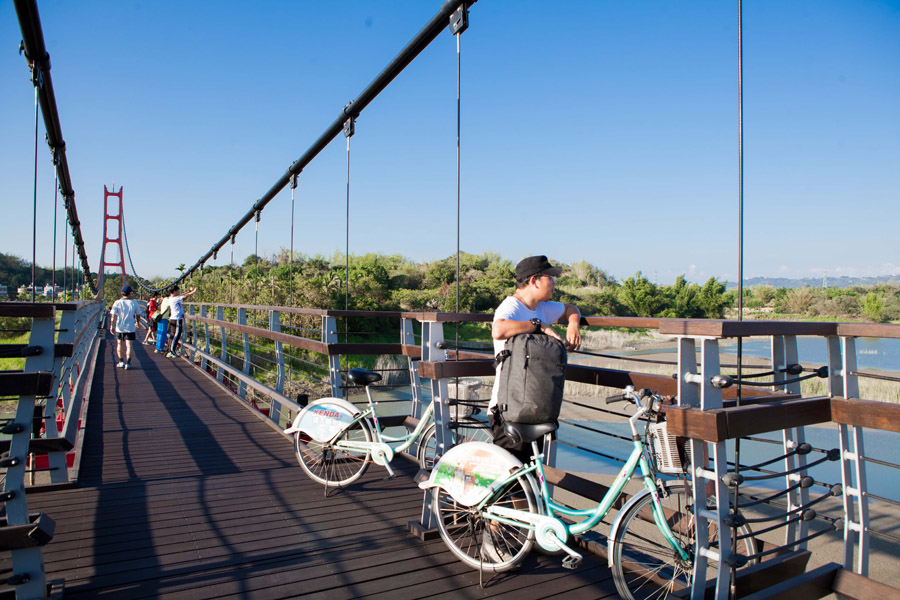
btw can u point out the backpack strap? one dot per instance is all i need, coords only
(501, 356)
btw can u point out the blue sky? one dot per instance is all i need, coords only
(601, 131)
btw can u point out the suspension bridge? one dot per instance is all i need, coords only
(175, 479)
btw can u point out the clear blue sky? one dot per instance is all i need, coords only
(605, 131)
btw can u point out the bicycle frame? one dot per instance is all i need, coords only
(380, 438)
(591, 517)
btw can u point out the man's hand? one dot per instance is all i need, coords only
(573, 337)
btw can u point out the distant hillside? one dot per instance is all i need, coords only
(838, 282)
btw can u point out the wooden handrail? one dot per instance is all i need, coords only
(866, 413)
(881, 330)
(723, 424)
(726, 329)
(27, 309)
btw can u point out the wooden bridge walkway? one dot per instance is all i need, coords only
(185, 493)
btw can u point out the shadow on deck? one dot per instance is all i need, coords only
(185, 493)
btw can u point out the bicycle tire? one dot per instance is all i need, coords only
(331, 467)
(428, 443)
(465, 531)
(644, 564)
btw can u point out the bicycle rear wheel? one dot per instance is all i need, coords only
(644, 564)
(330, 465)
(428, 441)
(484, 544)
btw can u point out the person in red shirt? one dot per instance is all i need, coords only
(152, 307)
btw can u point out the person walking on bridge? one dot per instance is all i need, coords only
(176, 306)
(124, 316)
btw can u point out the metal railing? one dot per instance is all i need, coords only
(45, 434)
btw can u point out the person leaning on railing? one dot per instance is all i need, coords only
(529, 310)
(175, 303)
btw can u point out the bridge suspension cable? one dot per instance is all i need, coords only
(351, 111)
(38, 60)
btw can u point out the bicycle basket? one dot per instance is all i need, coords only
(666, 451)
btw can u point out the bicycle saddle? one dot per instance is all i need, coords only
(363, 377)
(527, 433)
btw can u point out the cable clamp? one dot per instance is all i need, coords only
(459, 20)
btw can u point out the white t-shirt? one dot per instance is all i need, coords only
(512, 309)
(177, 307)
(125, 310)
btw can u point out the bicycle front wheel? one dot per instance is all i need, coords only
(329, 464)
(644, 564)
(482, 543)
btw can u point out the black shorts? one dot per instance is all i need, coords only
(125, 335)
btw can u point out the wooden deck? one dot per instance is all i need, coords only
(185, 493)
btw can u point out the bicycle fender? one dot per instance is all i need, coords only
(467, 471)
(614, 528)
(324, 418)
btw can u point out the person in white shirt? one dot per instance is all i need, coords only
(175, 302)
(529, 310)
(124, 317)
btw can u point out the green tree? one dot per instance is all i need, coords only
(641, 297)
(873, 307)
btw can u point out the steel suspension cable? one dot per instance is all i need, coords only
(351, 111)
(349, 130)
(36, 76)
(458, 179)
(740, 340)
(256, 263)
(291, 257)
(55, 218)
(137, 277)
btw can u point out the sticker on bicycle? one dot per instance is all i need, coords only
(324, 421)
(467, 471)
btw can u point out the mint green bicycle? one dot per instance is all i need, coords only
(490, 511)
(335, 442)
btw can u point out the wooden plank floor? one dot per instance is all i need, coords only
(184, 493)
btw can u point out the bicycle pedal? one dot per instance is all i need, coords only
(571, 562)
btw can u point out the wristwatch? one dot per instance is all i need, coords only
(537, 324)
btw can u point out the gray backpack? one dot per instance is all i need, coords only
(532, 378)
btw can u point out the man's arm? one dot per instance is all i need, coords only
(573, 333)
(503, 329)
(112, 323)
(189, 293)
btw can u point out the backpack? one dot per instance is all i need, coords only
(532, 378)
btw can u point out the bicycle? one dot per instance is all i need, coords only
(335, 442)
(490, 511)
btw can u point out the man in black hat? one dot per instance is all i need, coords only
(530, 309)
(124, 316)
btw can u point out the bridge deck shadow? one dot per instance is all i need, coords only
(184, 494)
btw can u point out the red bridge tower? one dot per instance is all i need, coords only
(116, 229)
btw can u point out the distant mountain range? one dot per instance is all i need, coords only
(838, 282)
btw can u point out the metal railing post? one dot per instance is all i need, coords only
(432, 337)
(223, 336)
(853, 472)
(784, 353)
(57, 459)
(408, 338)
(245, 337)
(275, 326)
(329, 336)
(203, 361)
